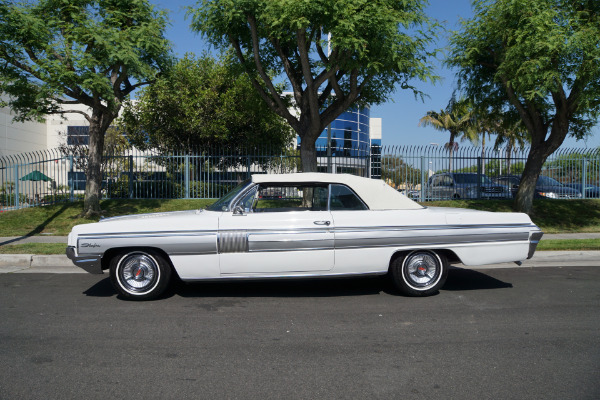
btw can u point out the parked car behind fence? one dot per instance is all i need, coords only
(545, 187)
(463, 186)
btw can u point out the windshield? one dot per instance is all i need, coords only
(223, 203)
(547, 181)
(471, 179)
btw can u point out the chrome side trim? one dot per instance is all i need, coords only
(303, 239)
(292, 245)
(393, 241)
(172, 244)
(431, 227)
(533, 242)
(233, 242)
(295, 274)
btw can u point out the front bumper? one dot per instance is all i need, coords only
(534, 239)
(89, 263)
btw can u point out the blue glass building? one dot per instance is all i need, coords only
(350, 143)
(350, 134)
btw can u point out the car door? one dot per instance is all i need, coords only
(277, 230)
(359, 233)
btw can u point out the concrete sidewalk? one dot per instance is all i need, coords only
(60, 264)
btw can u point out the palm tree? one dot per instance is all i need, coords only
(457, 119)
(512, 132)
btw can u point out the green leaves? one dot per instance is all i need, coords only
(93, 52)
(539, 59)
(202, 102)
(536, 48)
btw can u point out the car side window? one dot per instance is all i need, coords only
(447, 181)
(274, 198)
(343, 198)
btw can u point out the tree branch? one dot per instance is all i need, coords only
(287, 66)
(512, 97)
(273, 105)
(311, 88)
(255, 48)
(87, 117)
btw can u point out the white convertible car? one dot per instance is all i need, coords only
(300, 225)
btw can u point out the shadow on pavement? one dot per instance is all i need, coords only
(284, 288)
(458, 280)
(468, 279)
(102, 288)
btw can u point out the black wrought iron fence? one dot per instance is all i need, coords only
(421, 172)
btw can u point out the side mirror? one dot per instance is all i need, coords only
(238, 210)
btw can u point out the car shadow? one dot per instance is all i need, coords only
(283, 288)
(459, 279)
(101, 288)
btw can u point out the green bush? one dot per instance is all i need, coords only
(8, 199)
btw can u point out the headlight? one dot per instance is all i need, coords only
(550, 195)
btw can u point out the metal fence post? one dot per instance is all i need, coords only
(131, 176)
(71, 184)
(583, 176)
(422, 178)
(187, 176)
(247, 166)
(478, 178)
(17, 187)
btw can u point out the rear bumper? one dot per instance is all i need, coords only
(534, 239)
(90, 262)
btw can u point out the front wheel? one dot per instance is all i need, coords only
(140, 274)
(419, 273)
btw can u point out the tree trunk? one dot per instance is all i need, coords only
(540, 150)
(98, 125)
(526, 192)
(308, 155)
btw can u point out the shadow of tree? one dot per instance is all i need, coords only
(39, 228)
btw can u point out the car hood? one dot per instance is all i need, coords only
(175, 221)
(155, 216)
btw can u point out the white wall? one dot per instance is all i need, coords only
(20, 137)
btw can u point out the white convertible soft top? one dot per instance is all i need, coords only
(374, 192)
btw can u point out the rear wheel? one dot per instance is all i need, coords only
(419, 273)
(140, 274)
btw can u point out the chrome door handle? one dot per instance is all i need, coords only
(322, 223)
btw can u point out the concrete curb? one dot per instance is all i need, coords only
(31, 263)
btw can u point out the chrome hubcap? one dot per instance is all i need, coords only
(421, 269)
(138, 272)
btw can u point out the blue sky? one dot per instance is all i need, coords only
(400, 117)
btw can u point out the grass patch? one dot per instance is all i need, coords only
(552, 216)
(569, 244)
(34, 248)
(58, 219)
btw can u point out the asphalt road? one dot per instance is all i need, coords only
(529, 333)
